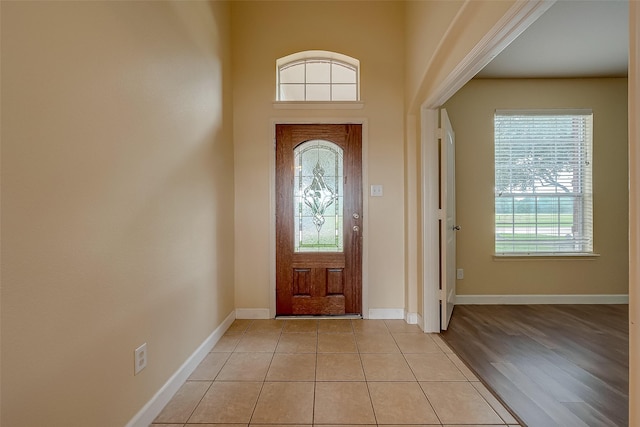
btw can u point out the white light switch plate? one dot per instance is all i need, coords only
(376, 191)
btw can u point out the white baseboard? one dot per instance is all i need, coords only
(411, 318)
(150, 411)
(253, 313)
(386, 313)
(542, 299)
(414, 319)
(420, 322)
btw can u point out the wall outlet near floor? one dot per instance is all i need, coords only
(140, 358)
(460, 273)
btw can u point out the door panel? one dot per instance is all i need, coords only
(318, 219)
(448, 225)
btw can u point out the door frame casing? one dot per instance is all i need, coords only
(365, 202)
(507, 29)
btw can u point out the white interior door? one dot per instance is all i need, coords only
(448, 226)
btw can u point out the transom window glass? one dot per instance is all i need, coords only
(318, 197)
(543, 191)
(318, 76)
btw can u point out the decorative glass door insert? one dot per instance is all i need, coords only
(318, 197)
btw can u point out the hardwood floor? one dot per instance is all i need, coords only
(553, 365)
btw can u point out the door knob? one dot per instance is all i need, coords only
(356, 228)
(456, 228)
(356, 216)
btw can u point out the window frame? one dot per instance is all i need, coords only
(311, 56)
(582, 246)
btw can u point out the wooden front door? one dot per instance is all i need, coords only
(318, 219)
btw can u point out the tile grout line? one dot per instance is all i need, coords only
(418, 382)
(315, 380)
(199, 401)
(366, 381)
(214, 378)
(477, 380)
(264, 379)
(281, 333)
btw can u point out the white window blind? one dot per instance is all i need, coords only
(543, 190)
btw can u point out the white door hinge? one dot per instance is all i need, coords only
(442, 296)
(439, 133)
(440, 214)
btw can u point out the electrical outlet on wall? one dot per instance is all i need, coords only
(460, 273)
(140, 358)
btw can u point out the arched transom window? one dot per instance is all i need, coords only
(317, 75)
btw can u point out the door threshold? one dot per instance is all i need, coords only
(321, 316)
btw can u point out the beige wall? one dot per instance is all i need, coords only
(117, 202)
(471, 111)
(118, 181)
(369, 31)
(442, 34)
(634, 211)
(439, 35)
(426, 25)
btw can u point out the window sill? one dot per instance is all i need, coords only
(318, 105)
(546, 256)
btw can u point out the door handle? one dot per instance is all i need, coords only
(456, 228)
(356, 228)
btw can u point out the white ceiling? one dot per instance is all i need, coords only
(574, 38)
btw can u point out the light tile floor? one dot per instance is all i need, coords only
(307, 372)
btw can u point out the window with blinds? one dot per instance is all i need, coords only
(543, 196)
